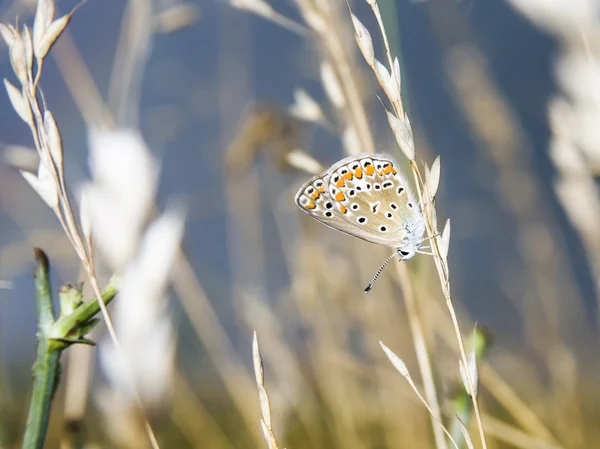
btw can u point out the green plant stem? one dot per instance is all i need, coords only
(43, 294)
(45, 373)
(46, 367)
(65, 325)
(53, 338)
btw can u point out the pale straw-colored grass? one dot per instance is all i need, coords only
(116, 155)
(341, 87)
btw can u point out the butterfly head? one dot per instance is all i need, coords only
(406, 254)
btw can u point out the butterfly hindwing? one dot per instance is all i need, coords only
(364, 196)
(321, 206)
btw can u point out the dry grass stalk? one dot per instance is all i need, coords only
(265, 407)
(389, 81)
(422, 353)
(50, 180)
(190, 292)
(338, 72)
(403, 370)
(550, 321)
(28, 51)
(341, 87)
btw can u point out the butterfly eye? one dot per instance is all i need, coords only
(404, 253)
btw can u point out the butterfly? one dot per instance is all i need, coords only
(367, 197)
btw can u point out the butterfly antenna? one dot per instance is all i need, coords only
(370, 286)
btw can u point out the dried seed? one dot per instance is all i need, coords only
(44, 187)
(8, 33)
(403, 135)
(44, 14)
(444, 242)
(54, 139)
(18, 59)
(28, 48)
(433, 180)
(19, 103)
(396, 361)
(364, 41)
(51, 35)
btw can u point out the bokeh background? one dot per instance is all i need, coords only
(506, 93)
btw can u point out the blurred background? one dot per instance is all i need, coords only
(506, 92)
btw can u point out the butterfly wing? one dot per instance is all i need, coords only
(314, 199)
(377, 199)
(365, 196)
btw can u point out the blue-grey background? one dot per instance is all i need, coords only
(182, 78)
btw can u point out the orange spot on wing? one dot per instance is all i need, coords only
(315, 195)
(369, 170)
(380, 173)
(339, 196)
(358, 173)
(394, 171)
(310, 205)
(348, 175)
(343, 210)
(341, 183)
(387, 170)
(322, 189)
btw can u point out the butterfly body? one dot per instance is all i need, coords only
(367, 197)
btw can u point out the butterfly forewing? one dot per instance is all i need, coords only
(364, 196)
